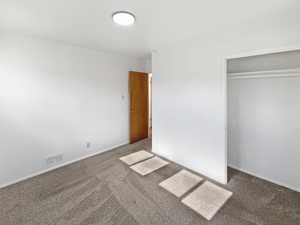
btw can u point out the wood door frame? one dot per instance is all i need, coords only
(130, 101)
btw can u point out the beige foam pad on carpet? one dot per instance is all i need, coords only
(136, 157)
(207, 199)
(149, 165)
(181, 183)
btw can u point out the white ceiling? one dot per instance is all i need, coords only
(159, 22)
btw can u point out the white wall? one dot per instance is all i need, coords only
(264, 127)
(148, 64)
(189, 100)
(145, 64)
(54, 98)
(189, 112)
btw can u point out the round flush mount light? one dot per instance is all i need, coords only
(123, 18)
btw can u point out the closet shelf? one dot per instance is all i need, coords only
(265, 74)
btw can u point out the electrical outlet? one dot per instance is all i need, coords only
(52, 160)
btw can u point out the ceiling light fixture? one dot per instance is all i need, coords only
(123, 18)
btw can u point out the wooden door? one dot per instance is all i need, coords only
(139, 107)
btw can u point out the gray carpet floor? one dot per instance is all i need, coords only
(103, 190)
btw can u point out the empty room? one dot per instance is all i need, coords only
(149, 112)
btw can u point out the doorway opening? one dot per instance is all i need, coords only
(150, 106)
(140, 91)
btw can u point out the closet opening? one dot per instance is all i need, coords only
(263, 109)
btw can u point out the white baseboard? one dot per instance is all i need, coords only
(62, 165)
(265, 178)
